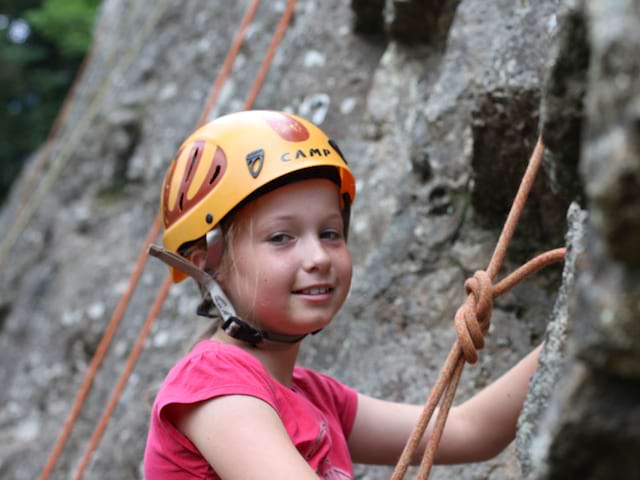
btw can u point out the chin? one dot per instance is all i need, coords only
(307, 326)
(319, 324)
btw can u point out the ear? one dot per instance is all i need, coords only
(198, 257)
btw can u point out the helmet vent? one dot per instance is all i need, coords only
(194, 156)
(215, 174)
(181, 199)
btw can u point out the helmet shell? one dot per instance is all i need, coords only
(228, 159)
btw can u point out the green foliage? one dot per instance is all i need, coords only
(36, 73)
(68, 24)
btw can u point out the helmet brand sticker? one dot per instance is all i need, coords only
(311, 152)
(286, 126)
(255, 160)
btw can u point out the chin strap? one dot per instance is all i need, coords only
(231, 324)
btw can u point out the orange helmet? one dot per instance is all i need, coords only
(224, 162)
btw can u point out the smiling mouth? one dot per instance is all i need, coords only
(314, 291)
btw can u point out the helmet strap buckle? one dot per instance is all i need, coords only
(232, 325)
(241, 330)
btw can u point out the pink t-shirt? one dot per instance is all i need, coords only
(317, 412)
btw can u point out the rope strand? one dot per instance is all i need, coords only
(472, 322)
(132, 359)
(105, 342)
(160, 298)
(98, 357)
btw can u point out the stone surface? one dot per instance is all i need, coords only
(588, 427)
(479, 122)
(368, 16)
(611, 163)
(417, 122)
(407, 21)
(562, 108)
(552, 361)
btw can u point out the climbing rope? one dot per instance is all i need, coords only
(28, 209)
(98, 357)
(472, 322)
(124, 377)
(162, 294)
(109, 332)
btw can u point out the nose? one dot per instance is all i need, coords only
(314, 255)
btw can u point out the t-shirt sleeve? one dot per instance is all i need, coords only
(342, 398)
(210, 373)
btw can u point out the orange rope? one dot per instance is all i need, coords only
(472, 323)
(101, 351)
(124, 377)
(109, 333)
(516, 209)
(104, 420)
(282, 26)
(228, 62)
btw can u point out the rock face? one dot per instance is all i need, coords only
(589, 430)
(437, 117)
(552, 361)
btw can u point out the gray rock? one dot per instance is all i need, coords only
(589, 429)
(417, 123)
(368, 16)
(562, 108)
(610, 165)
(551, 364)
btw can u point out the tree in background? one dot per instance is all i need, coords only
(42, 43)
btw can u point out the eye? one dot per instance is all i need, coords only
(279, 238)
(331, 234)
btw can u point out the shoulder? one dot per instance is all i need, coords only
(214, 369)
(319, 383)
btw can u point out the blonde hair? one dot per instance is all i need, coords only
(227, 265)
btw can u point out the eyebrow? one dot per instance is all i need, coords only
(289, 218)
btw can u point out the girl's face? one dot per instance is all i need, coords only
(289, 268)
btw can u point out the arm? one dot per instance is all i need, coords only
(241, 437)
(476, 430)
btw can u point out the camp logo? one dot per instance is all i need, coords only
(306, 153)
(287, 127)
(255, 160)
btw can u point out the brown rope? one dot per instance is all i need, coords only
(282, 26)
(98, 357)
(228, 62)
(472, 322)
(107, 413)
(516, 209)
(124, 377)
(107, 337)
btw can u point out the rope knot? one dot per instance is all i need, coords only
(474, 316)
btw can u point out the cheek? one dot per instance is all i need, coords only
(279, 273)
(346, 267)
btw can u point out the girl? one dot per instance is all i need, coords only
(256, 208)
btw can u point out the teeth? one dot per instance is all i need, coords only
(315, 291)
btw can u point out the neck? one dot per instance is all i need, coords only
(279, 363)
